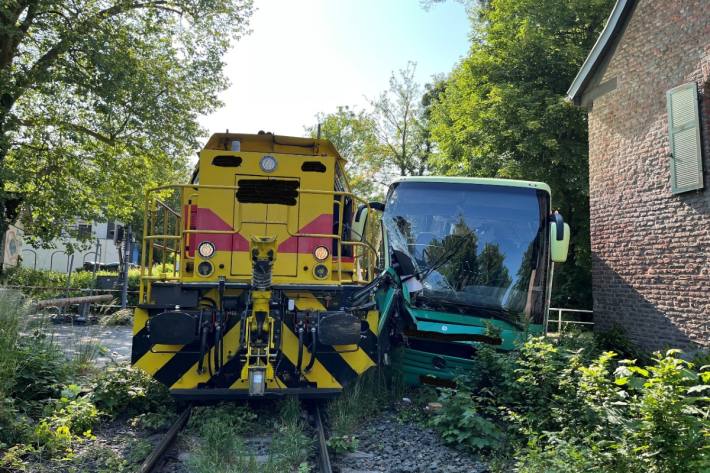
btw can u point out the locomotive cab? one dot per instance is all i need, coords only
(252, 281)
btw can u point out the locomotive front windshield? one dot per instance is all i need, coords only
(473, 246)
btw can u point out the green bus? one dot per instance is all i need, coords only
(468, 261)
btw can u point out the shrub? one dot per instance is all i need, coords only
(567, 407)
(462, 421)
(42, 369)
(123, 390)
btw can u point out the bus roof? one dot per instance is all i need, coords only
(476, 180)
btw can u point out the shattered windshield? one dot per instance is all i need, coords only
(473, 244)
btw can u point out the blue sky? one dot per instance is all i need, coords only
(309, 56)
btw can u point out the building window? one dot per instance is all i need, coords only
(83, 231)
(110, 230)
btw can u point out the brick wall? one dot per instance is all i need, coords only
(651, 249)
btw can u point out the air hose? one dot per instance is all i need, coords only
(312, 349)
(300, 350)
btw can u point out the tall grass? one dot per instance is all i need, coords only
(12, 310)
(364, 398)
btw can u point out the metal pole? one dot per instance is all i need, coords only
(34, 266)
(96, 257)
(126, 259)
(51, 258)
(70, 266)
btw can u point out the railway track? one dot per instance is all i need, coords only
(323, 458)
(152, 460)
(324, 464)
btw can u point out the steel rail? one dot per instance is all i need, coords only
(167, 440)
(323, 457)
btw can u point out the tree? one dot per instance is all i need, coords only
(352, 133)
(399, 124)
(99, 99)
(503, 113)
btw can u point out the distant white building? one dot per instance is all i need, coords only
(100, 247)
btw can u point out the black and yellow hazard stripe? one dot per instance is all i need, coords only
(344, 363)
(176, 365)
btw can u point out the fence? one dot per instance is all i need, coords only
(568, 316)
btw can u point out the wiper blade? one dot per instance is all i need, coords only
(495, 313)
(445, 258)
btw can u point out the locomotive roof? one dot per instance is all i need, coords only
(270, 143)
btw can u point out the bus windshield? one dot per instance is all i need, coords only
(476, 245)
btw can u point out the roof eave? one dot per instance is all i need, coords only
(596, 55)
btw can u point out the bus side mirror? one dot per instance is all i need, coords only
(559, 241)
(360, 219)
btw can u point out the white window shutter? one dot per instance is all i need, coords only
(684, 135)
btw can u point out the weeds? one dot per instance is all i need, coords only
(221, 448)
(567, 406)
(362, 399)
(122, 390)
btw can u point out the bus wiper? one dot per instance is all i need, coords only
(443, 259)
(495, 313)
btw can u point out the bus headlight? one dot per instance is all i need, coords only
(321, 253)
(206, 249)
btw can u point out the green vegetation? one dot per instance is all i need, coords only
(366, 397)
(85, 89)
(49, 284)
(122, 390)
(501, 112)
(220, 446)
(50, 406)
(570, 405)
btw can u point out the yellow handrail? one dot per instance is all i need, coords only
(158, 211)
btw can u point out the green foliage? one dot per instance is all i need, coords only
(391, 138)
(123, 390)
(353, 135)
(340, 444)
(99, 459)
(239, 419)
(69, 424)
(290, 445)
(461, 422)
(502, 112)
(221, 448)
(358, 401)
(568, 406)
(12, 310)
(50, 284)
(400, 124)
(87, 88)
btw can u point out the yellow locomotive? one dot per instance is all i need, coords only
(255, 275)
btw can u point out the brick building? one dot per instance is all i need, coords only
(646, 86)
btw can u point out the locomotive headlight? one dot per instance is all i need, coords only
(205, 268)
(321, 253)
(268, 163)
(206, 249)
(320, 271)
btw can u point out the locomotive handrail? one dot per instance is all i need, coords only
(182, 232)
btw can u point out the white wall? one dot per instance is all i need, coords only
(108, 253)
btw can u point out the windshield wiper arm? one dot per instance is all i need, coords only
(445, 258)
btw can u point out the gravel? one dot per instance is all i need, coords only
(387, 444)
